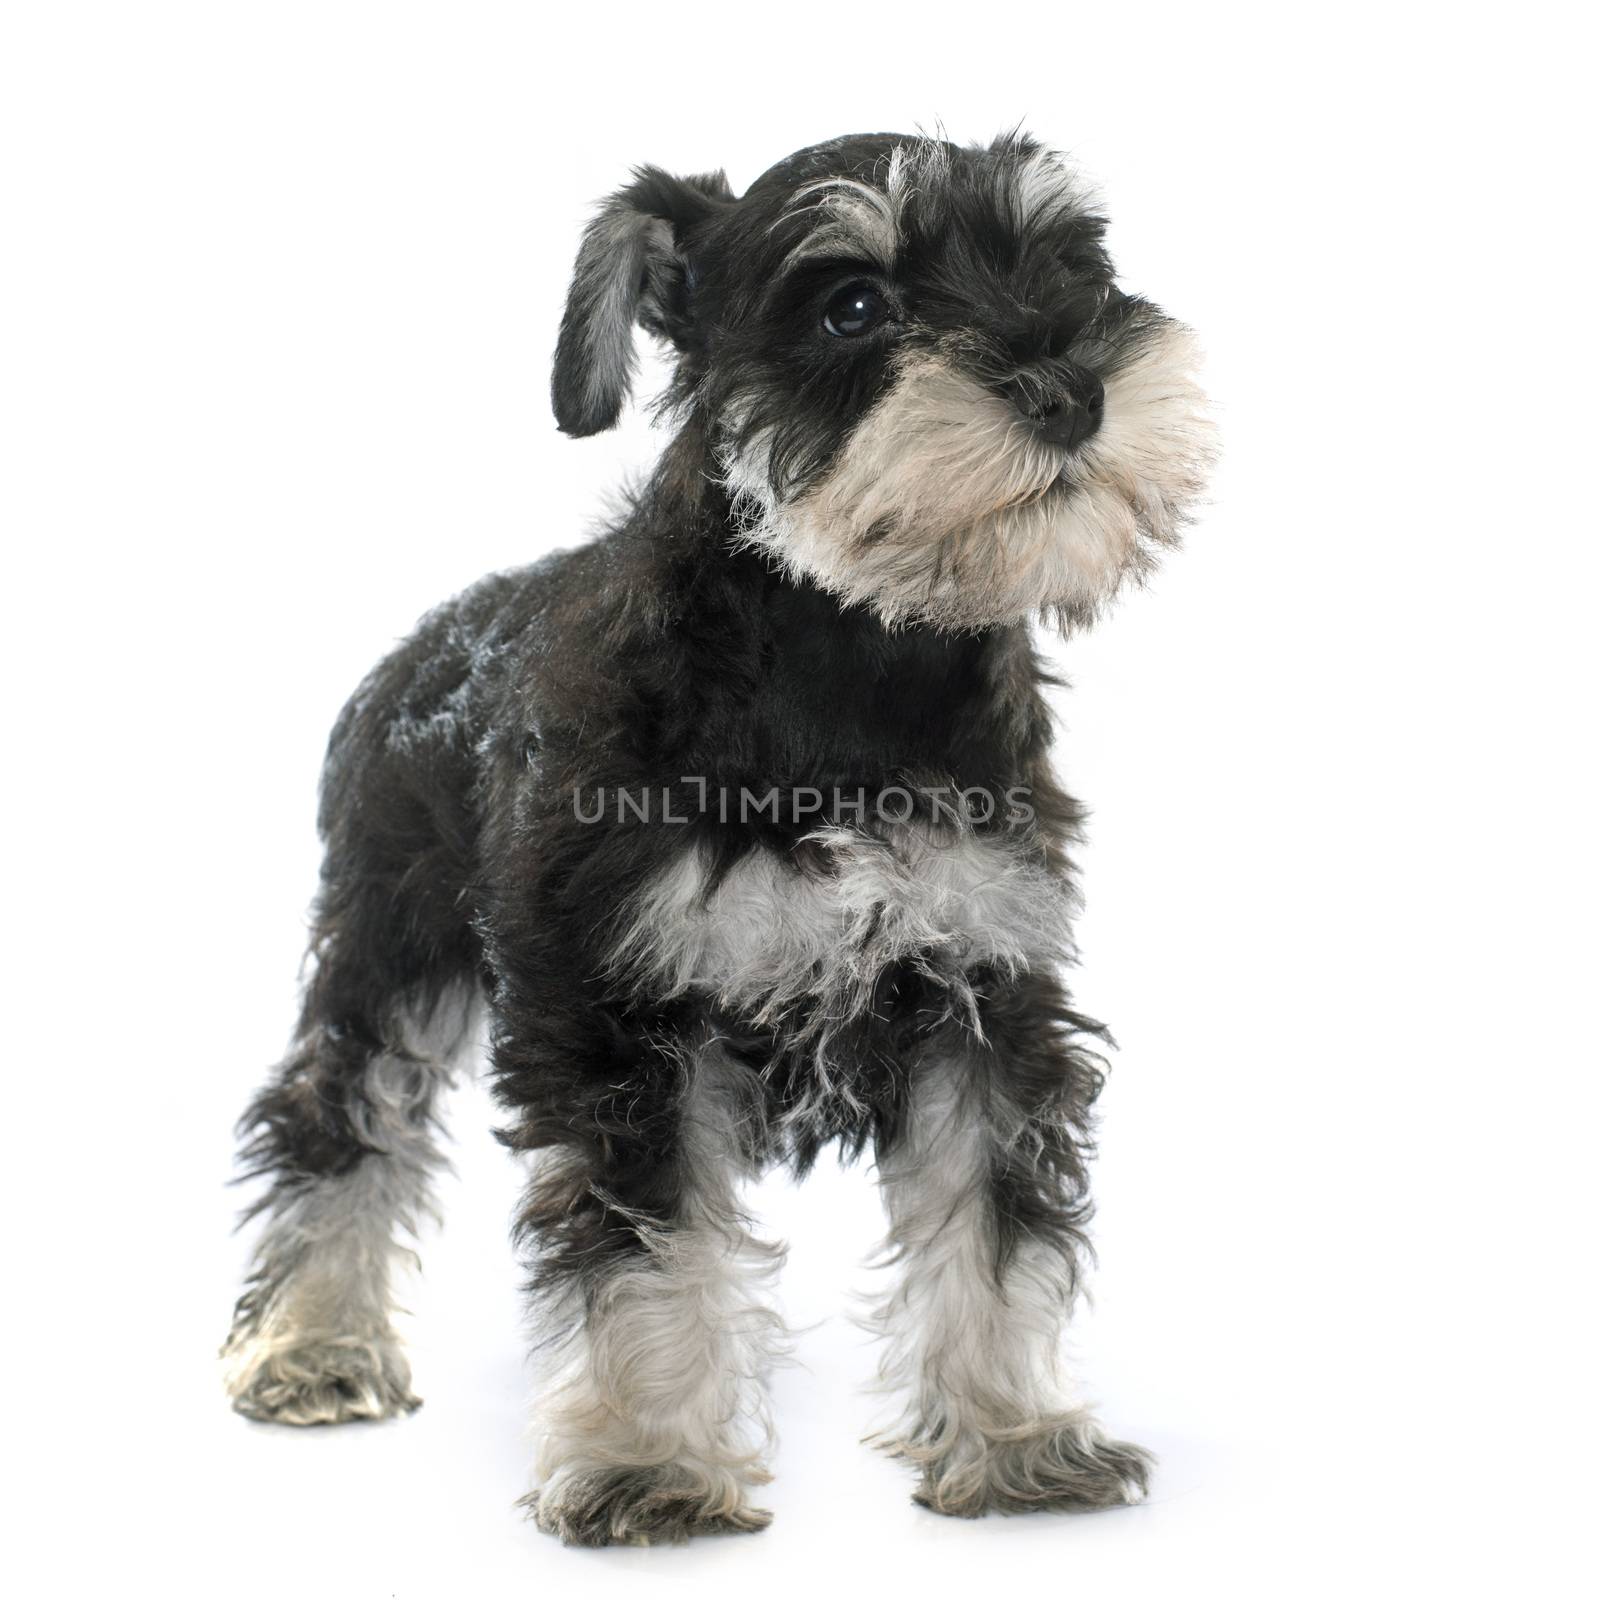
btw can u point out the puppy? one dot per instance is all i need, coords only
(739, 820)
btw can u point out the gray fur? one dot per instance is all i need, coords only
(828, 576)
(766, 939)
(972, 1347)
(943, 505)
(313, 1338)
(609, 294)
(653, 1416)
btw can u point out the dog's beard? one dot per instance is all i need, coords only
(944, 507)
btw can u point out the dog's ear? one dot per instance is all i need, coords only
(631, 269)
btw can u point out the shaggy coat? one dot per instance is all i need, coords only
(738, 822)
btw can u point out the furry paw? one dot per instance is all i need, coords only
(1061, 1466)
(329, 1380)
(640, 1505)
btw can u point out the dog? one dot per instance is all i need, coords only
(738, 823)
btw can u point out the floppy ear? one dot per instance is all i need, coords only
(630, 270)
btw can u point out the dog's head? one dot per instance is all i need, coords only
(919, 378)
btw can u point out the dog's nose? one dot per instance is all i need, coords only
(1071, 416)
(1069, 423)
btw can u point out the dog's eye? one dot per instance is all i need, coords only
(856, 311)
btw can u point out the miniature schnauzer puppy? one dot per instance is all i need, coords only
(739, 821)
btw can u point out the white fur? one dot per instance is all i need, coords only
(315, 1340)
(663, 1372)
(989, 1413)
(768, 935)
(865, 218)
(943, 506)
(1045, 185)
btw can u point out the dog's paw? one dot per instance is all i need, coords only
(641, 1505)
(320, 1381)
(1066, 1466)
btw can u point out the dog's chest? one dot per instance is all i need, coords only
(768, 936)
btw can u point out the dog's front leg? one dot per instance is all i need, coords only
(652, 1419)
(984, 1186)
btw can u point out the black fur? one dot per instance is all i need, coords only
(665, 651)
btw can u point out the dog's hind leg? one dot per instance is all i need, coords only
(344, 1134)
(346, 1137)
(985, 1188)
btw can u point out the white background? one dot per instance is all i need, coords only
(280, 284)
